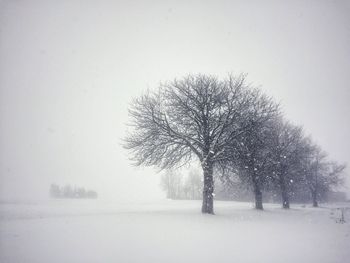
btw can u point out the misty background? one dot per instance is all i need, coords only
(69, 69)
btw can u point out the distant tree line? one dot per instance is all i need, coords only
(178, 186)
(237, 133)
(68, 191)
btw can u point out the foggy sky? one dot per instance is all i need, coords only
(68, 70)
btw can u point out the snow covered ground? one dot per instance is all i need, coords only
(170, 231)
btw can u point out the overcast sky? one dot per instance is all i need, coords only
(68, 70)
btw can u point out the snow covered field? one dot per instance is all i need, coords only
(170, 231)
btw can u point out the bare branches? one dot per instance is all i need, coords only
(198, 115)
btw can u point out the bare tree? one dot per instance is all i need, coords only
(252, 154)
(285, 144)
(171, 182)
(197, 116)
(194, 184)
(254, 160)
(320, 174)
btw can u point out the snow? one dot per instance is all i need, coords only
(171, 231)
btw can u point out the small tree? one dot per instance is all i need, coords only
(68, 191)
(80, 192)
(196, 116)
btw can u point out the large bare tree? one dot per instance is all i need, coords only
(197, 116)
(285, 143)
(251, 158)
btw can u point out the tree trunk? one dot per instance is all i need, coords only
(284, 193)
(258, 199)
(285, 200)
(257, 194)
(208, 188)
(314, 198)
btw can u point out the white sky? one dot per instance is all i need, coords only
(68, 70)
